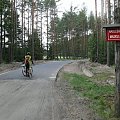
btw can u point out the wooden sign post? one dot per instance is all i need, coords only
(113, 34)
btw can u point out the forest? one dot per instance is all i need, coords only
(24, 24)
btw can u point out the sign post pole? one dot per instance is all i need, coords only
(117, 73)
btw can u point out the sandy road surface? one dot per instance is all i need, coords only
(28, 100)
(31, 99)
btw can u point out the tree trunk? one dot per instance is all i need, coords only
(117, 58)
(33, 6)
(41, 32)
(1, 39)
(47, 32)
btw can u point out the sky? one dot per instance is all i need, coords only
(64, 5)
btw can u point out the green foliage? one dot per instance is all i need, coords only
(102, 45)
(19, 55)
(38, 51)
(92, 47)
(91, 22)
(102, 52)
(49, 3)
(72, 33)
(10, 26)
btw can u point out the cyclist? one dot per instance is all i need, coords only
(28, 62)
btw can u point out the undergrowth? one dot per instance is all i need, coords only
(101, 96)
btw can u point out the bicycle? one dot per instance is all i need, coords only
(29, 72)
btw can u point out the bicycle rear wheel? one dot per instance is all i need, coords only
(30, 75)
(23, 71)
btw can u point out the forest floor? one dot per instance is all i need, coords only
(76, 107)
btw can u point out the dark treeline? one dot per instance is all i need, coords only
(73, 36)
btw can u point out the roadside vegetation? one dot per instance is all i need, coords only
(96, 90)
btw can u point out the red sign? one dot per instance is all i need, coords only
(113, 34)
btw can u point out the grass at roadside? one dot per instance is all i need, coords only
(101, 96)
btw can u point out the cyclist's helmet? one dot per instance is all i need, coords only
(28, 53)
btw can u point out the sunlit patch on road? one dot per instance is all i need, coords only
(4, 73)
(52, 77)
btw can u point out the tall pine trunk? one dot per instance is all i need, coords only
(1, 38)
